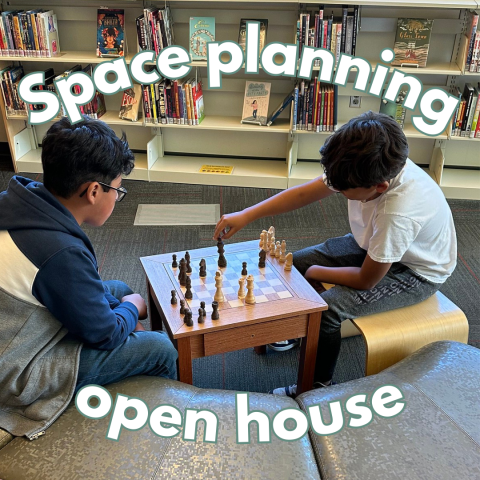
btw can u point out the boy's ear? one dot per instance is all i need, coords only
(381, 187)
(92, 192)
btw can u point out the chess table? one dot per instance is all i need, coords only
(286, 307)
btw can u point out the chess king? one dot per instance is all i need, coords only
(397, 237)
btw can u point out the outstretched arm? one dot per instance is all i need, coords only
(283, 202)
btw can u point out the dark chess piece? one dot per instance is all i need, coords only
(202, 306)
(187, 259)
(182, 307)
(188, 318)
(174, 262)
(261, 258)
(203, 268)
(244, 269)
(188, 292)
(187, 256)
(201, 318)
(173, 301)
(182, 276)
(215, 314)
(222, 261)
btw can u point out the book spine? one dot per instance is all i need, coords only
(295, 107)
(33, 21)
(338, 42)
(318, 106)
(349, 36)
(355, 28)
(3, 46)
(335, 107)
(344, 28)
(471, 39)
(176, 112)
(475, 118)
(468, 106)
(11, 29)
(476, 53)
(473, 106)
(181, 102)
(146, 109)
(329, 35)
(310, 107)
(305, 107)
(304, 32)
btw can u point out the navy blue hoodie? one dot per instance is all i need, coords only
(46, 259)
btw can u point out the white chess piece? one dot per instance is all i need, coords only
(250, 298)
(283, 252)
(278, 249)
(269, 241)
(219, 297)
(271, 231)
(288, 262)
(272, 247)
(241, 290)
(263, 239)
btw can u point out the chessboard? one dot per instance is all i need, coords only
(269, 285)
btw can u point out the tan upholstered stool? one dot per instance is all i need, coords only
(393, 335)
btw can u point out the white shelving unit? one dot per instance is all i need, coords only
(263, 157)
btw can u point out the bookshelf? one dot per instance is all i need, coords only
(263, 157)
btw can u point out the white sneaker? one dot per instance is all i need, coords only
(284, 345)
(290, 391)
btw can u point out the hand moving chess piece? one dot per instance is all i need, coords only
(182, 276)
(244, 269)
(174, 262)
(173, 301)
(288, 262)
(283, 251)
(250, 298)
(272, 247)
(188, 292)
(261, 258)
(201, 317)
(203, 268)
(188, 318)
(278, 249)
(241, 290)
(219, 297)
(222, 261)
(182, 307)
(215, 315)
(202, 306)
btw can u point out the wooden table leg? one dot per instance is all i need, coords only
(308, 353)
(261, 350)
(155, 319)
(185, 360)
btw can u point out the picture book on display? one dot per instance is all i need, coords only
(202, 31)
(412, 42)
(255, 104)
(242, 34)
(110, 32)
(131, 100)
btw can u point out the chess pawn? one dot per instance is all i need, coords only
(278, 250)
(188, 318)
(188, 292)
(182, 274)
(174, 261)
(250, 298)
(187, 257)
(202, 306)
(219, 297)
(263, 238)
(173, 301)
(288, 262)
(182, 307)
(201, 318)
(244, 269)
(241, 290)
(272, 247)
(215, 315)
(283, 251)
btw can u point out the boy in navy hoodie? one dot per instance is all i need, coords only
(62, 327)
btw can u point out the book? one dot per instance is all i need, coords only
(283, 105)
(476, 115)
(412, 42)
(396, 110)
(131, 100)
(255, 103)
(202, 31)
(242, 33)
(473, 27)
(468, 95)
(110, 32)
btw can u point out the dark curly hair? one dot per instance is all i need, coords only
(87, 151)
(366, 151)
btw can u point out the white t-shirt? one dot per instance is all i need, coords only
(410, 222)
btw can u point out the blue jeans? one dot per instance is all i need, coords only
(142, 353)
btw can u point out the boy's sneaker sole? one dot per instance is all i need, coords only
(284, 345)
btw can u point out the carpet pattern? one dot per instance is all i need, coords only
(119, 245)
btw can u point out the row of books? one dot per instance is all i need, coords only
(315, 106)
(472, 62)
(337, 35)
(155, 29)
(32, 33)
(466, 121)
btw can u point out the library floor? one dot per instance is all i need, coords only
(119, 245)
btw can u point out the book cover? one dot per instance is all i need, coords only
(51, 31)
(202, 31)
(255, 104)
(283, 105)
(412, 42)
(110, 32)
(131, 100)
(242, 33)
(395, 109)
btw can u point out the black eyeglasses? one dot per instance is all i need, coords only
(121, 191)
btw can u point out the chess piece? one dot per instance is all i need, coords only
(215, 315)
(203, 268)
(188, 292)
(288, 262)
(250, 298)
(271, 231)
(263, 239)
(188, 318)
(219, 297)
(272, 247)
(201, 318)
(173, 301)
(241, 290)
(261, 258)
(202, 306)
(222, 261)
(187, 259)
(278, 249)
(244, 269)
(182, 276)
(269, 241)
(283, 251)
(174, 262)
(182, 307)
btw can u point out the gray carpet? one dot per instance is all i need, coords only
(119, 246)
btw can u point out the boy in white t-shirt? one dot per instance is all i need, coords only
(402, 246)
